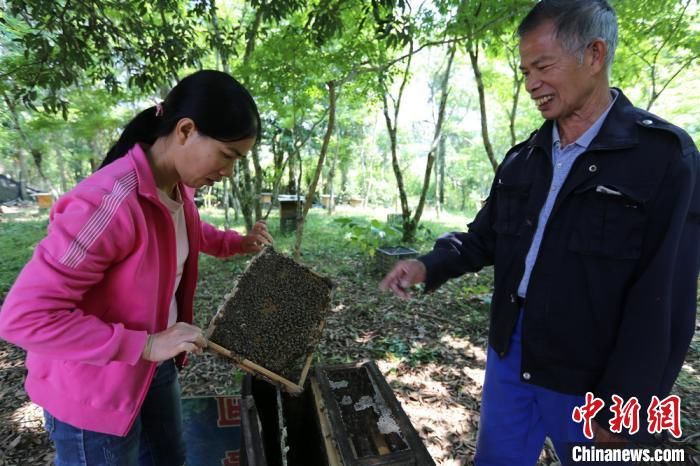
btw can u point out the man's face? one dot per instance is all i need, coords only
(555, 79)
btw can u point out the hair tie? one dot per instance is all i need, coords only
(159, 109)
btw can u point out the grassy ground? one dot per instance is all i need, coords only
(19, 234)
(431, 349)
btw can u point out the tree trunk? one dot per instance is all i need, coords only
(436, 193)
(249, 187)
(444, 91)
(239, 180)
(38, 157)
(62, 170)
(20, 152)
(441, 171)
(251, 35)
(235, 192)
(257, 182)
(245, 192)
(343, 177)
(331, 180)
(291, 180)
(319, 166)
(391, 126)
(279, 173)
(255, 153)
(221, 55)
(513, 62)
(473, 50)
(368, 192)
(405, 212)
(227, 223)
(22, 174)
(277, 153)
(94, 165)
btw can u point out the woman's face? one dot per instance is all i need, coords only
(203, 160)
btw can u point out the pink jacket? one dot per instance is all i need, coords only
(97, 285)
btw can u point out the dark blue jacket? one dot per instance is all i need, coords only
(611, 302)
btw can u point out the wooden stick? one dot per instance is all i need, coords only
(281, 428)
(305, 370)
(380, 443)
(309, 358)
(219, 349)
(250, 366)
(212, 324)
(290, 387)
(332, 453)
(434, 317)
(318, 275)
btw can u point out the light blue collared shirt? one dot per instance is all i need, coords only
(562, 161)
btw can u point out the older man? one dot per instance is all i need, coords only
(593, 226)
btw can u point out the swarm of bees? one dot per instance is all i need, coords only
(274, 316)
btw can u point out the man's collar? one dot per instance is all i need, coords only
(618, 130)
(585, 139)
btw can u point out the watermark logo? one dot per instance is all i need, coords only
(665, 415)
(625, 415)
(661, 415)
(587, 412)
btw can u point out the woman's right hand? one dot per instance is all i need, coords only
(179, 338)
(258, 236)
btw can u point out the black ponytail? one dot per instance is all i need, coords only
(143, 128)
(220, 107)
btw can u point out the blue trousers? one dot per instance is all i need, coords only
(516, 416)
(154, 440)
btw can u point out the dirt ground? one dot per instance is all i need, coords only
(431, 351)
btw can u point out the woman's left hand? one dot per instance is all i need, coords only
(258, 236)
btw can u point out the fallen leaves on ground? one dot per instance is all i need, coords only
(431, 350)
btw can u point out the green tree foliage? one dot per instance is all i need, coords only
(74, 72)
(135, 43)
(656, 46)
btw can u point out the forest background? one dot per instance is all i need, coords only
(401, 104)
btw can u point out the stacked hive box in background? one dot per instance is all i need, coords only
(275, 315)
(385, 258)
(290, 211)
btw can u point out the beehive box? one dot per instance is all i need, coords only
(362, 420)
(274, 317)
(385, 258)
(349, 417)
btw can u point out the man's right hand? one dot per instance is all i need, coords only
(404, 275)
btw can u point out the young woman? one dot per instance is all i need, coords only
(104, 307)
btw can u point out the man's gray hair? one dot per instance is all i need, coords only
(577, 23)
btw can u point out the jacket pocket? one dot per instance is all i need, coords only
(610, 221)
(511, 201)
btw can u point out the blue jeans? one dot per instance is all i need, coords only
(155, 439)
(516, 416)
